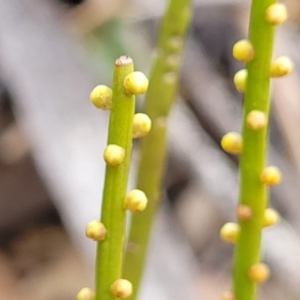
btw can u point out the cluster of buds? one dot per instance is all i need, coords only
(255, 122)
(243, 50)
(135, 83)
(114, 156)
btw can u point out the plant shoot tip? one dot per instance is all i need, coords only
(123, 61)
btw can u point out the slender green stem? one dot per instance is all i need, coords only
(160, 96)
(253, 159)
(110, 251)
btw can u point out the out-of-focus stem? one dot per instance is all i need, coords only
(159, 99)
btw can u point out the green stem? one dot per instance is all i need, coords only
(159, 99)
(110, 251)
(253, 160)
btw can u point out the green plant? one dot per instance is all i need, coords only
(110, 232)
(255, 178)
(117, 279)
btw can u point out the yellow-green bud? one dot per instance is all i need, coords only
(244, 212)
(135, 83)
(114, 155)
(121, 288)
(227, 295)
(170, 78)
(276, 14)
(172, 62)
(101, 97)
(232, 143)
(141, 125)
(243, 51)
(256, 120)
(230, 232)
(175, 43)
(271, 217)
(259, 273)
(240, 80)
(86, 294)
(136, 201)
(281, 66)
(95, 230)
(270, 176)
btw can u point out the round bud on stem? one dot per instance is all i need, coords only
(136, 201)
(175, 43)
(141, 125)
(114, 155)
(227, 295)
(256, 120)
(270, 176)
(281, 66)
(259, 273)
(101, 97)
(243, 51)
(172, 62)
(230, 232)
(240, 80)
(86, 294)
(232, 143)
(276, 14)
(121, 288)
(271, 217)
(135, 83)
(244, 212)
(95, 230)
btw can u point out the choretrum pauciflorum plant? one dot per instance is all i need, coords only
(120, 277)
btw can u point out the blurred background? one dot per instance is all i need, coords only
(52, 53)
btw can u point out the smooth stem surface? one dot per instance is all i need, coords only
(159, 99)
(110, 251)
(253, 159)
